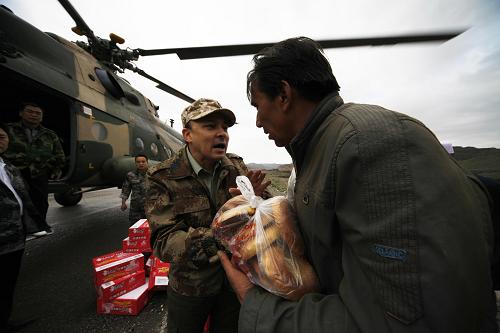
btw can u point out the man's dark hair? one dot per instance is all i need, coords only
(29, 103)
(4, 127)
(141, 155)
(299, 61)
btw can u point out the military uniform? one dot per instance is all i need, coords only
(134, 183)
(37, 154)
(180, 208)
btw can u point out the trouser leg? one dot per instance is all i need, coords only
(8, 280)
(135, 215)
(186, 314)
(225, 313)
(38, 188)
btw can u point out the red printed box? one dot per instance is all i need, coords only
(115, 265)
(139, 228)
(158, 276)
(116, 288)
(131, 245)
(129, 304)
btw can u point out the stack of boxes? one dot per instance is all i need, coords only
(120, 277)
(138, 238)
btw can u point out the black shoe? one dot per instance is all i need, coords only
(49, 231)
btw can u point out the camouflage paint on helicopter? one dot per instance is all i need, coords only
(109, 122)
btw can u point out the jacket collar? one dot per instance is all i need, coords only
(298, 146)
(179, 166)
(19, 124)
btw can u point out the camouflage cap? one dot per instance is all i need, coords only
(202, 108)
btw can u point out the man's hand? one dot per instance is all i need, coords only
(239, 281)
(256, 177)
(124, 205)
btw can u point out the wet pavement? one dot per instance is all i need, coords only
(55, 285)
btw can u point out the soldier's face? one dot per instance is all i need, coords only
(271, 117)
(207, 139)
(31, 115)
(141, 163)
(4, 141)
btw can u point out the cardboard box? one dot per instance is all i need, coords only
(116, 288)
(158, 276)
(129, 304)
(114, 265)
(130, 246)
(139, 228)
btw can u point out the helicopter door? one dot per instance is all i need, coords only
(58, 115)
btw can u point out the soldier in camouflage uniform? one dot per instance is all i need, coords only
(18, 216)
(36, 151)
(183, 195)
(134, 183)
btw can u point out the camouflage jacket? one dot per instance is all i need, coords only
(134, 183)
(13, 226)
(177, 203)
(43, 155)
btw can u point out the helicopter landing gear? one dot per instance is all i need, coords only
(70, 197)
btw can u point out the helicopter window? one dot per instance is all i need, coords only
(132, 98)
(139, 144)
(99, 132)
(109, 83)
(154, 149)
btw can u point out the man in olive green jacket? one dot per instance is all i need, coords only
(397, 232)
(183, 194)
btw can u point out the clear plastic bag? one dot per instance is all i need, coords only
(265, 243)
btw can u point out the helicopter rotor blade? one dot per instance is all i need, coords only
(80, 23)
(248, 49)
(163, 86)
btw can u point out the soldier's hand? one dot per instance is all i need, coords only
(56, 174)
(256, 177)
(124, 206)
(201, 247)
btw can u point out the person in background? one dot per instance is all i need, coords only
(18, 216)
(37, 152)
(134, 186)
(183, 195)
(398, 233)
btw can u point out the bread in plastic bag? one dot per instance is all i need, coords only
(265, 243)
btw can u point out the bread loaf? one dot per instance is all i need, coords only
(277, 262)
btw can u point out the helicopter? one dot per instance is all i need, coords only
(102, 120)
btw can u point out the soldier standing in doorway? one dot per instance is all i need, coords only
(37, 152)
(134, 183)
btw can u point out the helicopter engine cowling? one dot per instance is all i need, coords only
(115, 169)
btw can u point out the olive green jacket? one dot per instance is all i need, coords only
(177, 204)
(398, 233)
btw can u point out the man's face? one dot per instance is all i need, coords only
(270, 117)
(31, 115)
(141, 163)
(207, 138)
(4, 141)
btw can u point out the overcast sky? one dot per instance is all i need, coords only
(454, 88)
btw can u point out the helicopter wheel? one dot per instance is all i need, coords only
(68, 198)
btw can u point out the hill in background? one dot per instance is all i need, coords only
(482, 161)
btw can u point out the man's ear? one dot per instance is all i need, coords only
(186, 133)
(285, 96)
